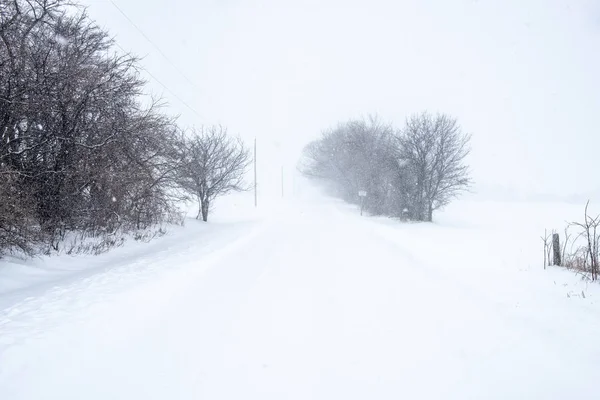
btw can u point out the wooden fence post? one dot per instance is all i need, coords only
(556, 256)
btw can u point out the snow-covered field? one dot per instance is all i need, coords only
(308, 301)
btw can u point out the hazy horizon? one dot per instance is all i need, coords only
(521, 77)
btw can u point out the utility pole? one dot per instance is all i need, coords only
(255, 183)
(362, 194)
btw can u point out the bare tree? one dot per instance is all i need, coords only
(214, 164)
(358, 155)
(589, 230)
(434, 148)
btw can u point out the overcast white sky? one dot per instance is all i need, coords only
(523, 76)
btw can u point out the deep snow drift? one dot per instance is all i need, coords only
(313, 302)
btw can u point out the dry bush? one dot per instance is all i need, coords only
(589, 232)
(578, 260)
(580, 253)
(18, 230)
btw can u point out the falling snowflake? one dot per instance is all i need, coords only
(61, 40)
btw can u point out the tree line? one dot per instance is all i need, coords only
(409, 172)
(80, 148)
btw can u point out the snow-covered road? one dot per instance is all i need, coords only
(312, 303)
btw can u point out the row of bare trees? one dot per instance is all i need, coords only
(79, 150)
(408, 172)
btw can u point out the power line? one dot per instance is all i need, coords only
(154, 45)
(172, 93)
(164, 86)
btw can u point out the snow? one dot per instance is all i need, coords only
(309, 301)
(61, 40)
